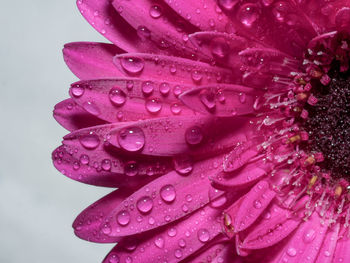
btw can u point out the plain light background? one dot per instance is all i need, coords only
(37, 203)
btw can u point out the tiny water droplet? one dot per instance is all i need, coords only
(84, 159)
(159, 242)
(194, 135)
(106, 164)
(248, 14)
(155, 11)
(175, 108)
(203, 235)
(147, 87)
(131, 168)
(131, 139)
(178, 253)
(167, 192)
(164, 88)
(90, 141)
(123, 218)
(172, 232)
(113, 258)
(132, 65)
(182, 243)
(117, 96)
(257, 204)
(196, 76)
(291, 252)
(144, 204)
(309, 235)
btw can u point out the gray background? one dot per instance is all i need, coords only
(37, 204)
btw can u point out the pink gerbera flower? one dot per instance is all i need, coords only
(224, 125)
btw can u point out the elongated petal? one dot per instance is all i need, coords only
(129, 99)
(89, 60)
(164, 200)
(342, 253)
(328, 247)
(72, 117)
(174, 243)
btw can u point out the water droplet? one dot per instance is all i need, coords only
(128, 259)
(159, 242)
(131, 168)
(117, 96)
(227, 4)
(91, 108)
(291, 252)
(257, 204)
(196, 76)
(131, 139)
(144, 204)
(106, 164)
(219, 47)
(90, 141)
(132, 65)
(248, 14)
(182, 243)
(242, 98)
(172, 232)
(123, 218)
(173, 69)
(217, 199)
(84, 159)
(208, 97)
(143, 32)
(175, 108)
(129, 84)
(280, 10)
(106, 229)
(164, 88)
(178, 253)
(185, 208)
(77, 90)
(309, 235)
(183, 164)
(147, 87)
(155, 11)
(151, 221)
(153, 105)
(194, 135)
(113, 258)
(177, 90)
(189, 198)
(203, 235)
(167, 192)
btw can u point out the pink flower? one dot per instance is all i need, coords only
(225, 127)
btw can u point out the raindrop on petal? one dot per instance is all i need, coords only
(131, 139)
(144, 204)
(90, 141)
(132, 65)
(117, 96)
(167, 192)
(123, 218)
(194, 135)
(203, 235)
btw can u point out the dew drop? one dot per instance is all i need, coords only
(131, 139)
(183, 165)
(178, 253)
(113, 258)
(147, 87)
(177, 90)
(257, 204)
(172, 232)
(117, 96)
(309, 235)
(208, 99)
(144, 204)
(106, 229)
(248, 14)
(159, 242)
(77, 90)
(90, 141)
(164, 88)
(132, 65)
(175, 108)
(155, 11)
(167, 192)
(91, 108)
(196, 76)
(153, 105)
(84, 159)
(182, 243)
(143, 32)
(203, 235)
(131, 168)
(106, 164)
(194, 135)
(123, 218)
(227, 4)
(291, 252)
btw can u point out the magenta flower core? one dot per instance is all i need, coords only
(224, 125)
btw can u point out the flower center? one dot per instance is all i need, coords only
(328, 123)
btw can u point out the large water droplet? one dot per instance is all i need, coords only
(164, 88)
(147, 87)
(155, 11)
(194, 135)
(131, 139)
(89, 141)
(167, 192)
(227, 4)
(123, 218)
(159, 242)
(248, 14)
(144, 204)
(153, 105)
(132, 65)
(131, 168)
(117, 96)
(77, 90)
(203, 235)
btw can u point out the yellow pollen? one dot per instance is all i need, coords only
(338, 191)
(302, 96)
(227, 222)
(312, 181)
(294, 138)
(297, 109)
(310, 160)
(301, 81)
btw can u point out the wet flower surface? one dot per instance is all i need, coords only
(223, 124)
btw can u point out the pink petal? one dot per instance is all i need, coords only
(103, 167)
(328, 248)
(88, 60)
(102, 16)
(221, 100)
(342, 252)
(88, 223)
(147, 17)
(171, 136)
(172, 244)
(170, 69)
(73, 117)
(275, 224)
(129, 99)
(165, 199)
(305, 243)
(253, 204)
(202, 14)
